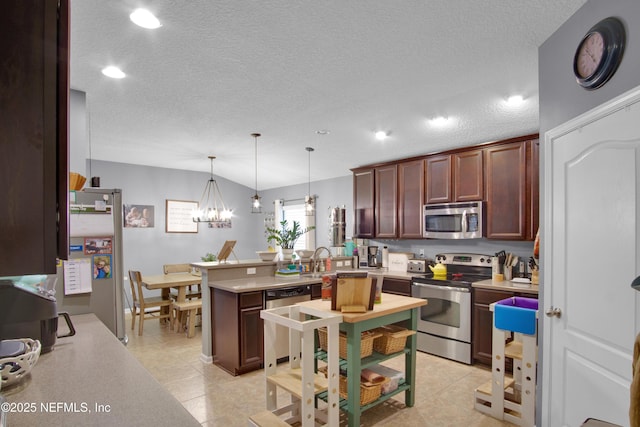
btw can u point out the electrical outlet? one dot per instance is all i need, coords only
(421, 253)
(339, 264)
(251, 270)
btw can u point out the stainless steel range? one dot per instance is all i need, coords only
(444, 324)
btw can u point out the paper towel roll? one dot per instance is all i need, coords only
(385, 257)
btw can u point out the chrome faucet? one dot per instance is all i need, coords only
(315, 262)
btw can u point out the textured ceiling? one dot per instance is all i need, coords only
(217, 71)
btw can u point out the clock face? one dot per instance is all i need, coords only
(599, 53)
(590, 55)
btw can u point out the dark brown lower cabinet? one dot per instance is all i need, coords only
(237, 331)
(481, 341)
(397, 286)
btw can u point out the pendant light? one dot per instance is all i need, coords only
(256, 206)
(309, 200)
(212, 208)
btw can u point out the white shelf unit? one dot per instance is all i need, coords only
(299, 378)
(511, 398)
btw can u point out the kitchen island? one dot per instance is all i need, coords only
(232, 298)
(392, 309)
(91, 379)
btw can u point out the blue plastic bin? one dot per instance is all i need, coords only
(517, 314)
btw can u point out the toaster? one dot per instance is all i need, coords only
(417, 266)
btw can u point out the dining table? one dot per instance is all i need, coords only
(178, 281)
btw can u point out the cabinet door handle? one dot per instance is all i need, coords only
(554, 312)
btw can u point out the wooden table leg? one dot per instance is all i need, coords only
(164, 310)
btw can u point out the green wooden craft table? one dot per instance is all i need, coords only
(392, 309)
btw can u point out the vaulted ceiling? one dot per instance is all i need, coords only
(217, 71)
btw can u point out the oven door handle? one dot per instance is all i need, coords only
(444, 288)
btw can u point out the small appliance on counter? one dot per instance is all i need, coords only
(28, 311)
(417, 266)
(372, 257)
(399, 261)
(368, 257)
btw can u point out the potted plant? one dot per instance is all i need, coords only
(286, 237)
(209, 257)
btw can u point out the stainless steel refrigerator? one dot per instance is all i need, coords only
(91, 280)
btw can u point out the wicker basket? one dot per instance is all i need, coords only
(366, 342)
(391, 339)
(14, 369)
(368, 391)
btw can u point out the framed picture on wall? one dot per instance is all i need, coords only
(138, 216)
(179, 217)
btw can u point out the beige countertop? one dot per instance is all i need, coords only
(92, 379)
(505, 286)
(262, 283)
(390, 304)
(232, 264)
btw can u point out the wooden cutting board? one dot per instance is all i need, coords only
(353, 291)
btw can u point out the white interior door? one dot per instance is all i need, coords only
(591, 256)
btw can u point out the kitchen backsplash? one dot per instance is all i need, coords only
(431, 247)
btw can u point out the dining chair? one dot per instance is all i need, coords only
(145, 307)
(183, 268)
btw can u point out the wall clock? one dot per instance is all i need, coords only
(599, 53)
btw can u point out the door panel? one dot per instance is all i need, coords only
(590, 247)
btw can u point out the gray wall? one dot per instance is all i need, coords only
(561, 99)
(560, 96)
(147, 249)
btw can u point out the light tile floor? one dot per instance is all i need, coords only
(444, 395)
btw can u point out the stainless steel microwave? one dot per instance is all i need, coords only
(462, 220)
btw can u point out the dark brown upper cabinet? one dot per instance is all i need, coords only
(468, 183)
(512, 190)
(438, 179)
(386, 201)
(363, 203)
(34, 136)
(456, 177)
(389, 197)
(410, 198)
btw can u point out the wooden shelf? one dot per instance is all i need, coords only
(344, 404)
(365, 362)
(486, 387)
(513, 350)
(291, 381)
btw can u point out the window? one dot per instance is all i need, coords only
(295, 211)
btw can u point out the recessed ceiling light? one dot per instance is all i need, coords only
(113, 72)
(381, 135)
(514, 101)
(144, 19)
(440, 121)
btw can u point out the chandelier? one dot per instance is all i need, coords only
(211, 208)
(256, 206)
(309, 200)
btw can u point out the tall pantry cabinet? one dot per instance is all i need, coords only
(34, 92)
